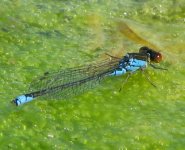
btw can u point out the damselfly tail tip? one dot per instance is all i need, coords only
(18, 100)
(22, 99)
(14, 101)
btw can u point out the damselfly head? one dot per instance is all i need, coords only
(153, 55)
(158, 57)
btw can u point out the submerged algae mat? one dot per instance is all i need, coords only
(39, 36)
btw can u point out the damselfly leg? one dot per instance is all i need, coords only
(148, 78)
(156, 67)
(125, 81)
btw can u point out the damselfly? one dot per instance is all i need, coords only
(73, 81)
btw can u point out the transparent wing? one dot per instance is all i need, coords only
(73, 81)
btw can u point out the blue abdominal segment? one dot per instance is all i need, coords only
(118, 72)
(23, 99)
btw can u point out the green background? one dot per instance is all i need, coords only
(42, 35)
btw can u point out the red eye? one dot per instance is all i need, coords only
(158, 58)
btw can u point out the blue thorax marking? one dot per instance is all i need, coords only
(129, 65)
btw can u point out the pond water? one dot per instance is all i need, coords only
(37, 36)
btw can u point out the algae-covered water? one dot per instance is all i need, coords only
(37, 36)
